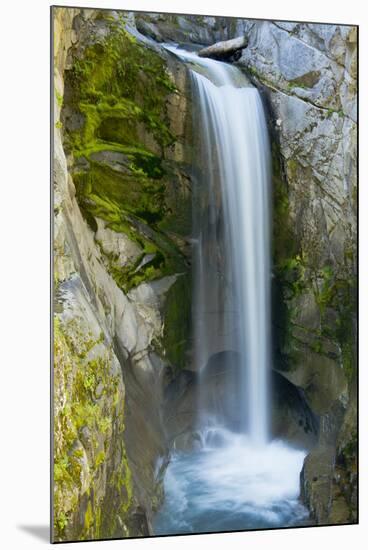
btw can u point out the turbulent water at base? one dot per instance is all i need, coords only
(236, 477)
(232, 486)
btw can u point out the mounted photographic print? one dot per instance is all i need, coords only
(204, 274)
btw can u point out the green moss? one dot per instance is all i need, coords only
(345, 303)
(103, 188)
(178, 198)
(114, 108)
(292, 272)
(78, 376)
(335, 291)
(111, 81)
(297, 84)
(326, 290)
(331, 111)
(284, 245)
(105, 425)
(88, 517)
(177, 321)
(61, 522)
(124, 480)
(100, 459)
(298, 271)
(292, 167)
(107, 90)
(252, 71)
(332, 293)
(59, 98)
(350, 449)
(133, 205)
(131, 276)
(286, 266)
(165, 257)
(120, 482)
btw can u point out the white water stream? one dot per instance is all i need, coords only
(237, 477)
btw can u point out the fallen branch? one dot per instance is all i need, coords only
(226, 49)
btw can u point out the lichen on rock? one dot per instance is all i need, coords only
(118, 136)
(88, 435)
(119, 176)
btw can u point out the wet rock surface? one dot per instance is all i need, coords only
(110, 355)
(307, 74)
(119, 306)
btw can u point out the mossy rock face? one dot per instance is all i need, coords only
(91, 470)
(122, 175)
(314, 305)
(118, 135)
(177, 322)
(314, 240)
(314, 299)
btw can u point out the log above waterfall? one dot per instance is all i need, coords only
(226, 49)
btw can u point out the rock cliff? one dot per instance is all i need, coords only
(122, 168)
(121, 220)
(307, 74)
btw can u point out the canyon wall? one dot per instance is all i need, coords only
(307, 74)
(124, 391)
(122, 207)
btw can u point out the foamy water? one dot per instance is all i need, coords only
(231, 484)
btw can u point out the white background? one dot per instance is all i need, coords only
(24, 272)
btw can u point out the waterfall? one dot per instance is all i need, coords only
(232, 242)
(234, 476)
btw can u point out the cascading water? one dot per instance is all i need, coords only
(234, 144)
(236, 478)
